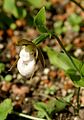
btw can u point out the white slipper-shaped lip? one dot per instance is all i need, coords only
(26, 63)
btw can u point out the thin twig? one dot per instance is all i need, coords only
(28, 116)
(77, 4)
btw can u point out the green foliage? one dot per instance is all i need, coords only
(41, 38)
(58, 104)
(8, 78)
(53, 106)
(75, 21)
(41, 107)
(36, 3)
(62, 61)
(82, 69)
(9, 10)
(5, 20)
(2, 67)
(59, 28)
(5, 108)
(76, 78)
(10, 7)
(19, 12)
(50, 90)
(61, 58)
(40, 20)
(13, 26)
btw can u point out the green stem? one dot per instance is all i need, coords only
(41, 38)
(27, 116)
(78, 93)
(78, 100)
(77, 4)
(47, 116)
(59, 41)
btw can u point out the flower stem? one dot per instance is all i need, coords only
(59, 41)
(77, 4)
(78, 92)
(78, 100)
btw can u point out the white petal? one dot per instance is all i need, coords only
(24, 55)
(26, 68)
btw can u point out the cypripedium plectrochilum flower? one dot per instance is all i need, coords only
(27, 59)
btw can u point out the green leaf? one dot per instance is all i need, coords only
(41, 107)
(8, 78)
(56, 57)
(74, 19)
(61, 58)
(81, 82)
(50, 90)
(82, 69)
(9, 5)
(57, 105)
(5, 108)
(58, 27)
(41, 114)
(36, 3)
(64, 29)
(62, 61)
(76, 28)
(2, 67)
(19, 12)
(13, 26)
(53, 106)
(41, 38)
(76, 78)
(40, 20)
(68, 98)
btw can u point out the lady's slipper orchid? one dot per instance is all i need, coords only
(26, 68)
(26, 63)
(27, 58)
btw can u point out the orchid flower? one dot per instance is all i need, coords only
(26, 63)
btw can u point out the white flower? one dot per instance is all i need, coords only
(26, 63)
(25, 55)
(26, 68)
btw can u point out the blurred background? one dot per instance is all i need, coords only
(63, 17)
